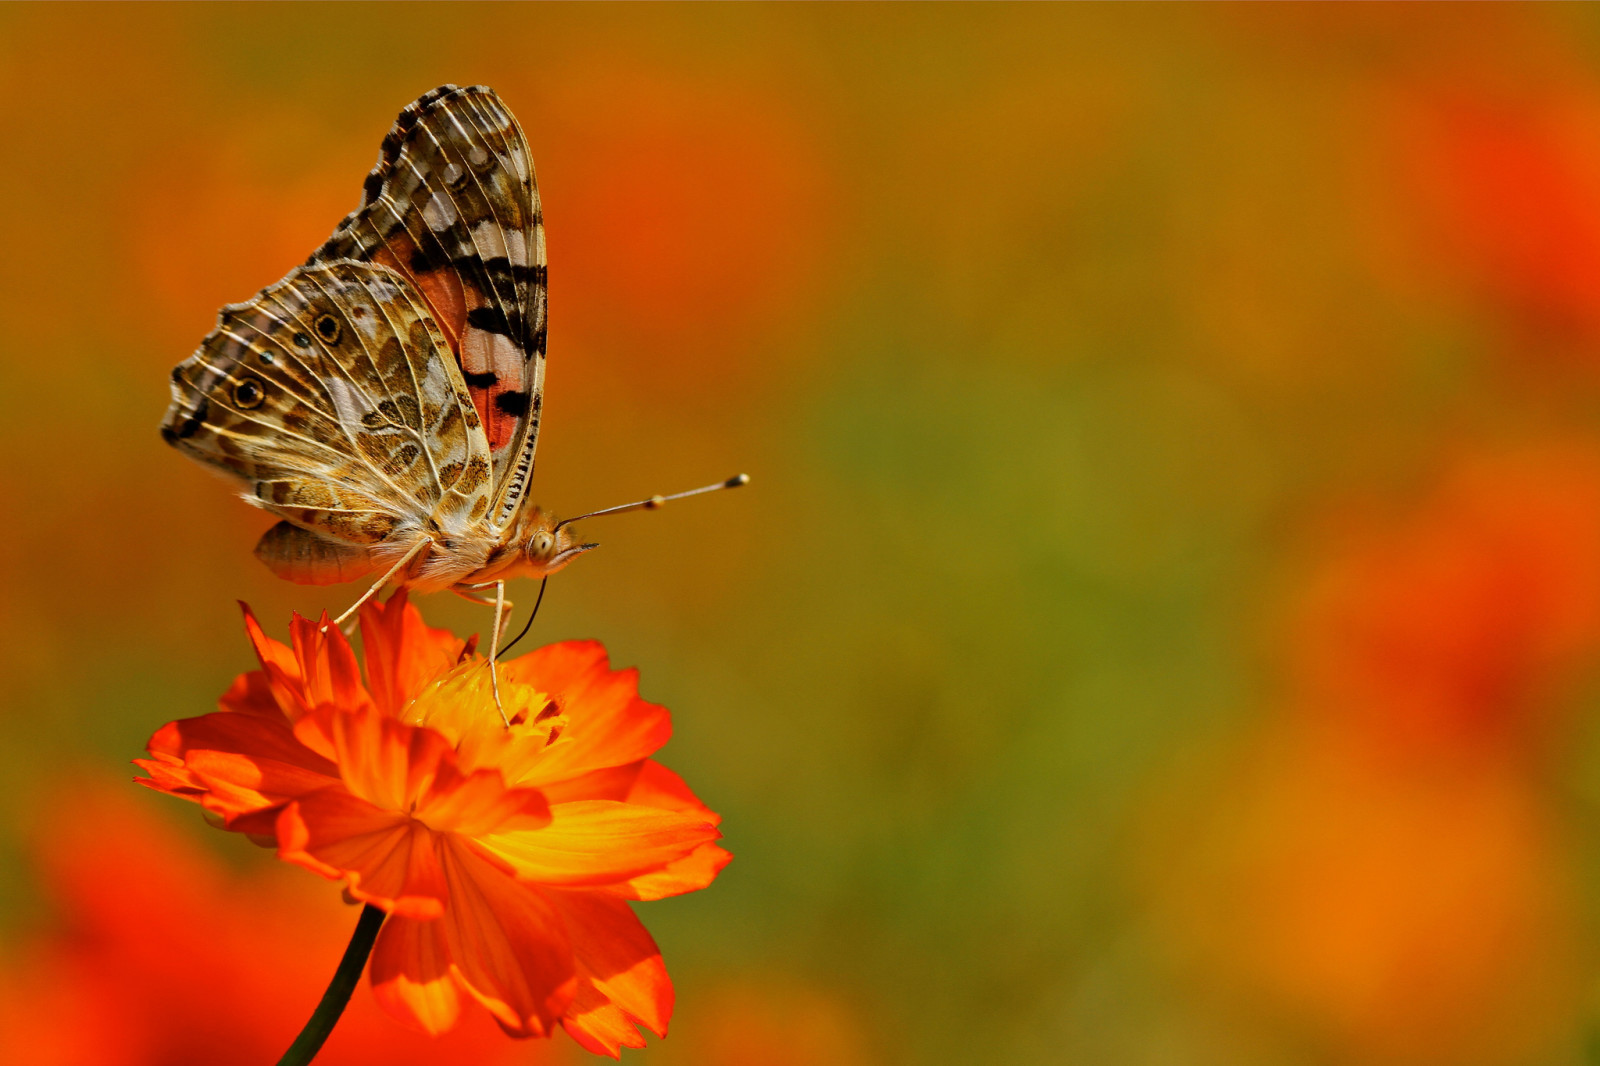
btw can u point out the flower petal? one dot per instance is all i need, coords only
(611, 783)
(507, 942)
(383, 761)
(656, 786)
(279, 667)
(598, 1025)
(404, 655)
(599, 842)
(649, 783)
(318, 671)
(411, 976)
(479, 803)
(691, 873)
(643, 781)
(328, 666)
(234, 763)
(383, 857)
(251, 694)
(623, 980)
(608, 724)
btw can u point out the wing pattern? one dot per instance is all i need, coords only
(333, 394)
(453, 206)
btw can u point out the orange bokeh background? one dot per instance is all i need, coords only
(1164, 623)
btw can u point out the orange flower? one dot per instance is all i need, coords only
(505, 856)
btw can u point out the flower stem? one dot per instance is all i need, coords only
(323, 1019)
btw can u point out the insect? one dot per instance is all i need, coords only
(384, 398)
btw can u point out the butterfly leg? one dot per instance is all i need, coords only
(468, 593)
(425, 542)
(500, 606)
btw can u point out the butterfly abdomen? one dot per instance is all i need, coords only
(308, 559)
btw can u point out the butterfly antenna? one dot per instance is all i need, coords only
(531, 617)
(656, 501)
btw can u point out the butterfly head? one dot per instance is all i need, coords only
(549, 546)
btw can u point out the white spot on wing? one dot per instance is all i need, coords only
(474, 351)
(488, 237)
(439, 212)
(481, 351)
(508, 360)
(436, 385)
(365, 321)
(348, 403)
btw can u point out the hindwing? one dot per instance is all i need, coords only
(335, 397)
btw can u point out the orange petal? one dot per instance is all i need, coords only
(171, 778)
(656, 786)
(249, 735)
(642, 781)
(284, 672)
(608, 724)
(599, 842)
(508, 944)
(269, 651)
(557, 667)
(238, 785)
(691, 873)
(235, 763)
(279, 666)
(612, 783)
(598, 1025)
(649, 783)
(479, 803)
(383, 857)
(328, 666)
(383, 761)
(251, 694)
(403, 654)
(411, 976)
(617, 956)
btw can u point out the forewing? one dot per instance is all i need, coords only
(453, 206)
(334, 396)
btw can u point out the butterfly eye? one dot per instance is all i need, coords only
(248, 394)
(540, 543)
(328, 328)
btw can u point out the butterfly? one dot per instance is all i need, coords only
(384, 398)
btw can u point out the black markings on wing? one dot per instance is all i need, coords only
(453, 205)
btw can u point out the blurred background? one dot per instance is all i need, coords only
(1162, 629)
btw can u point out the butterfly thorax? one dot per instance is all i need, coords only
(533, 546)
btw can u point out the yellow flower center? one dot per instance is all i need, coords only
(461, 706)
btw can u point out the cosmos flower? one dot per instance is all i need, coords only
(505, 856)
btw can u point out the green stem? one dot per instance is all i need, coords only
(323, 1019)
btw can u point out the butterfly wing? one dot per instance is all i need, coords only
(334, 395)
(453, 206)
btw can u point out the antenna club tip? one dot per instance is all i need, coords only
(655, 501)
(737, 480)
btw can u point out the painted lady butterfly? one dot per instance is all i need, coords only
(384, 398)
